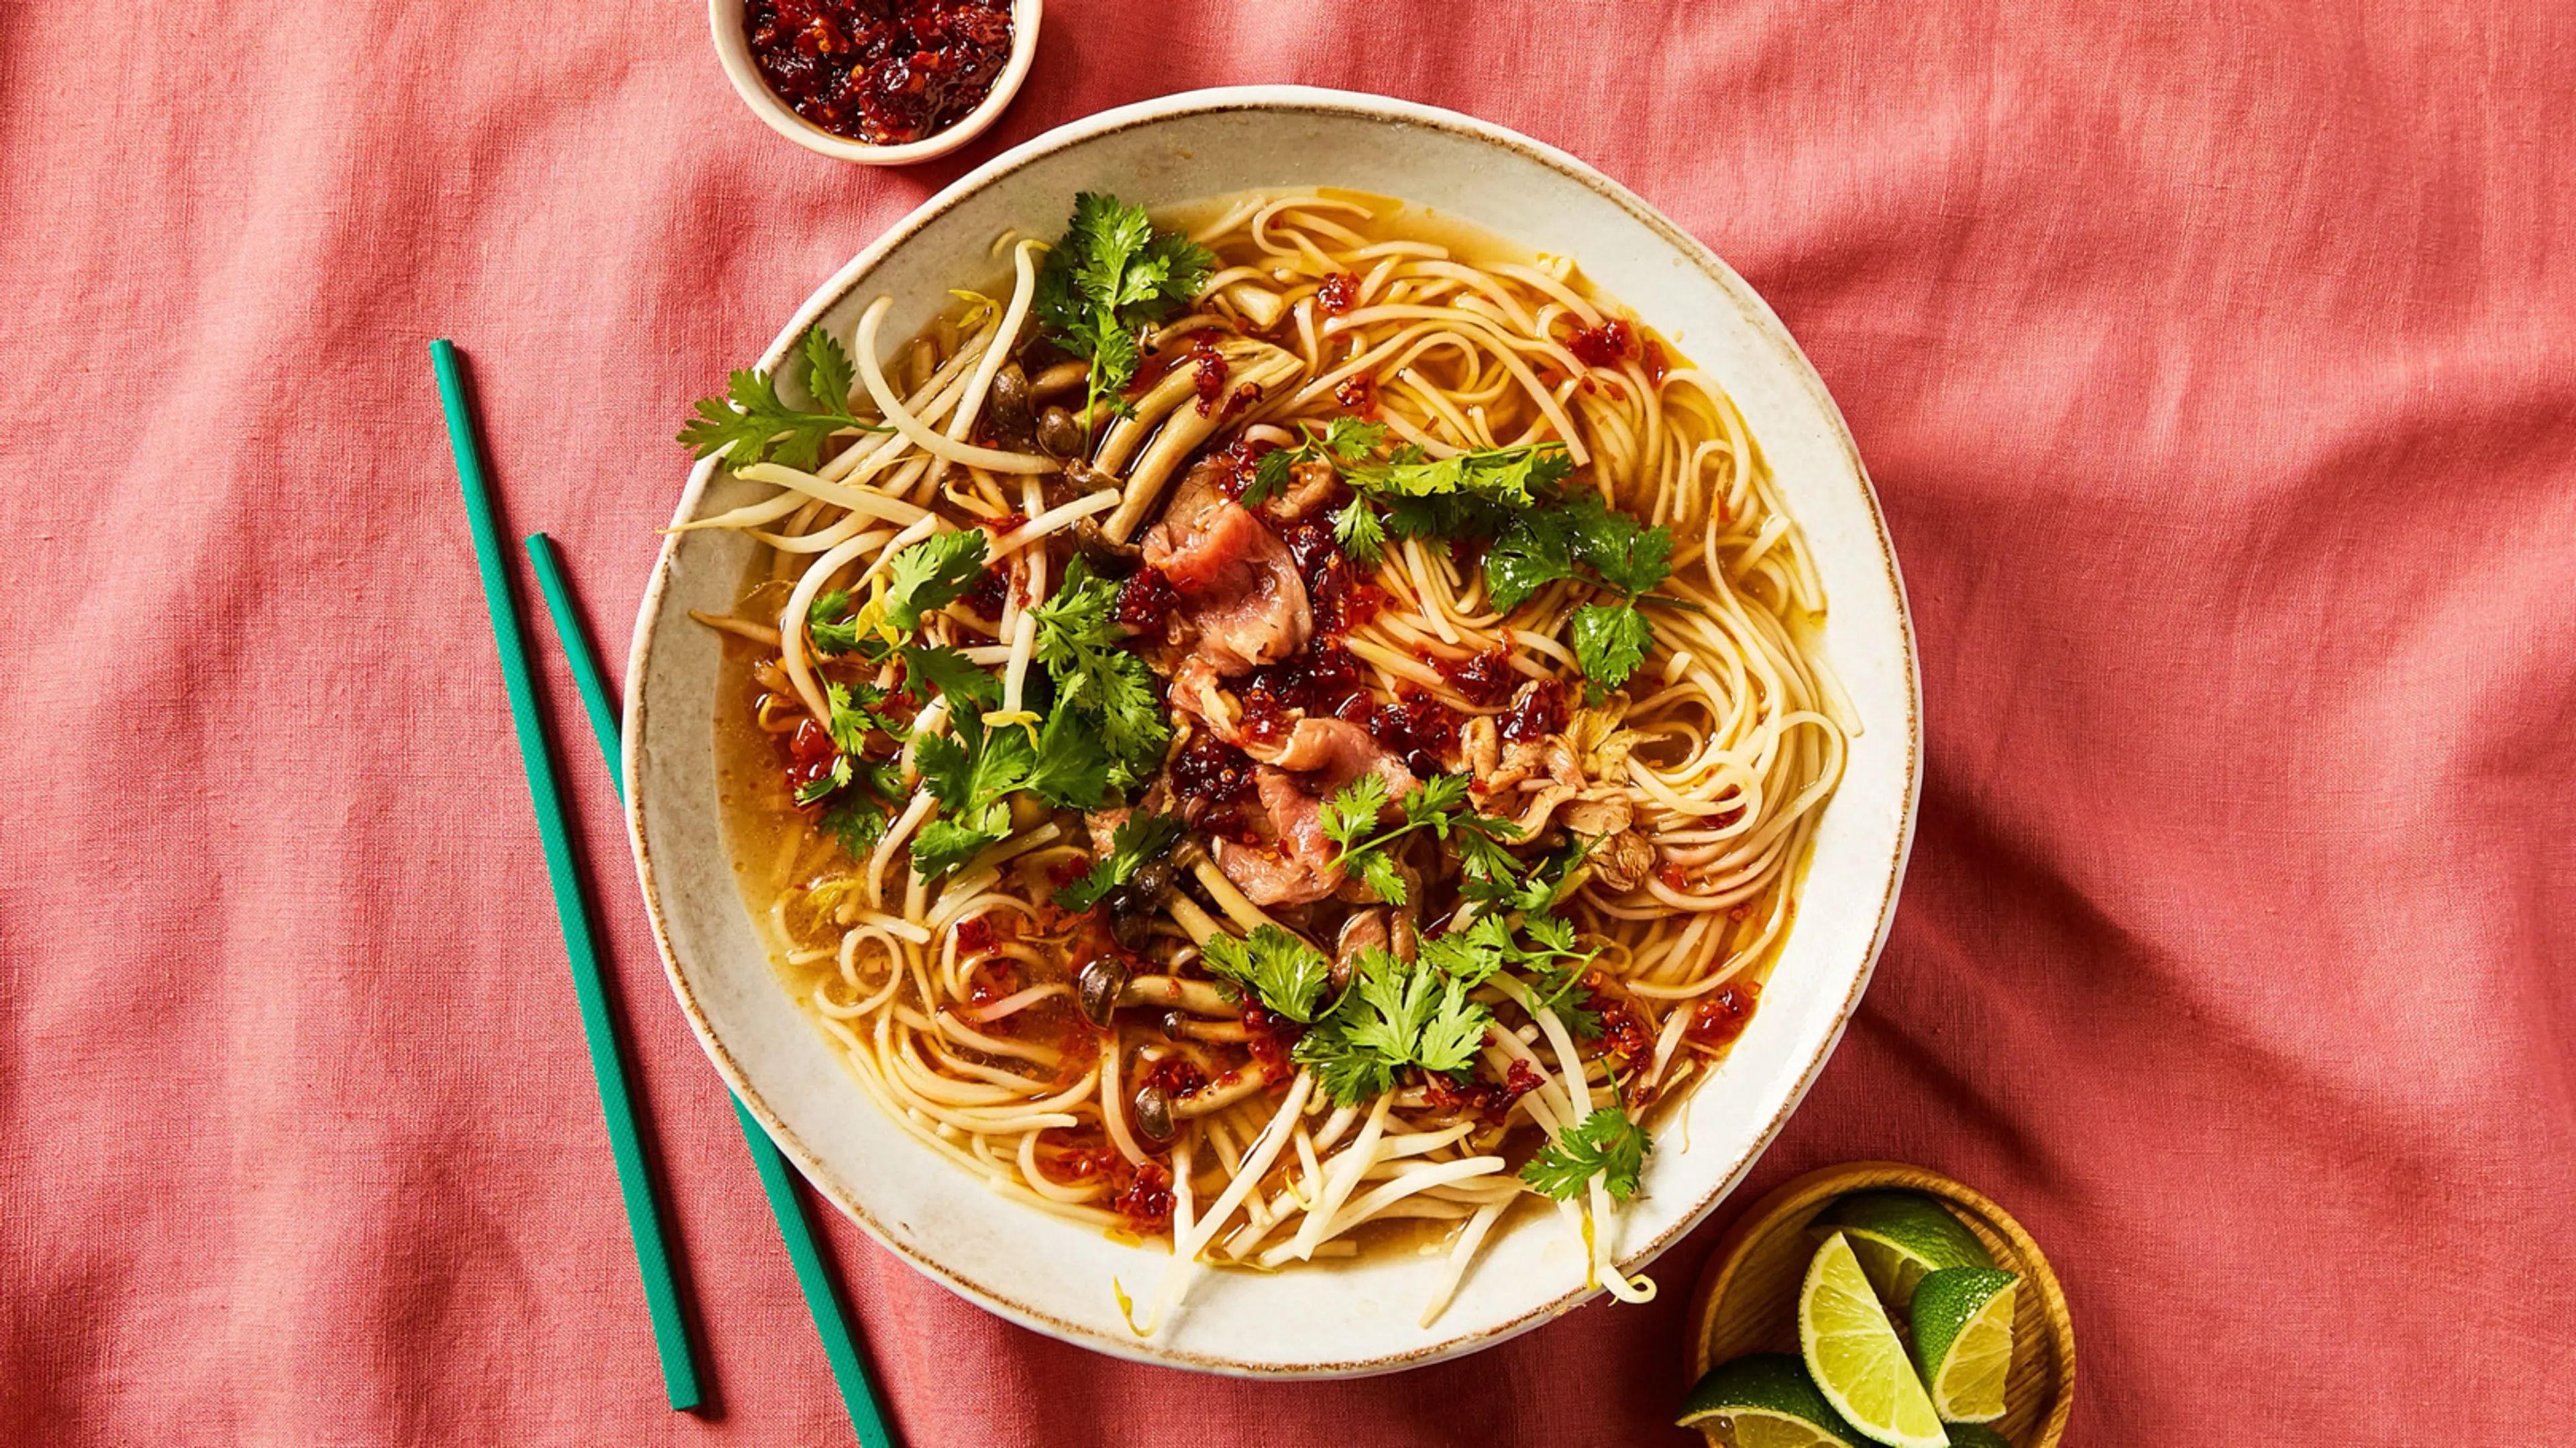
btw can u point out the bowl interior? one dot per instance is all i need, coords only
(1331, 1319)
(1748, 1297)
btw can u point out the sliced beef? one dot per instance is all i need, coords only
(1296, 775)
(1237, 582)
(1196, 688)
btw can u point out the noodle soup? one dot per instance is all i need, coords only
(1345, 779)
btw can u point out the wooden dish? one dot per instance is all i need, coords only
(1748, 1297)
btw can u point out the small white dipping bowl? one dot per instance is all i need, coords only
(734, 49)
(1337, 1318)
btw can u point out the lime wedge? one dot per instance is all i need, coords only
(1963, 1340)
(1898, 1237)
(1976, 1435)
(1854, 1356)
(1766, 1401)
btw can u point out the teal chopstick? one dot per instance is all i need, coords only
(616, 1100)
(813, 1273)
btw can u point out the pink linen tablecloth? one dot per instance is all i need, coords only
(2217, 366)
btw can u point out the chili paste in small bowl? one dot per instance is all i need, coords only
(883, 82)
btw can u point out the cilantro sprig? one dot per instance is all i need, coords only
(1286, 974)
(1106, 280)
(1606, 1144)
(1139, 839)
(751, 422)
(1394, 1015)
(1398, 1014)
(973, 770)
(1488, 947)
(1078, 642)
(1513, 497)
(1550, 962)
(857, 710)
(922, 578)
(1586, 540)
(1344, 441)
(1353, 819)
(1477, 492)
(1539, 885)
(851, 713)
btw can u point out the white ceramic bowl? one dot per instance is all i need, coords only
(1328, 1319)
(734, 49)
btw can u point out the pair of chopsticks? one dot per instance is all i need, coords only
(643, 1210)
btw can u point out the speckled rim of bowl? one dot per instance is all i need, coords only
(734, 50)
(1755, 312)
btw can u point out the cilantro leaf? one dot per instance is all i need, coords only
(1346, 442)
(1477, 493)
(820, 788)
(947, 765)
(1554, 933)
(999, 762)
(1473, 955)
(1352, 439)
(932, 574)
(1628, 556)
(854, 713)
(1433, 799)
(1350, 820)
(1070, 770)
(1396, 1002)
(833, 624)
(1379, 873)
(949, 674)
(1609, 642)
(1607, 1144)
(1185, 269)
(1348, 1074)
(1105, 236)
(1284, 972)
(751, 422)
(827, 372)
(858, 821)
(1139, 838)
(1351, 814)
(1441, 518)
(945, 844)
(1488, 947)
(1535, 550)
(1270, 474)
(973, 770)
(1538, 548)
(1536, 888)
(1357, 529)
(1455, 1033)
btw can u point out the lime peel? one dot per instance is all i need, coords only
(1900, 1236)
(1766, 1401)
(1963, 1340)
